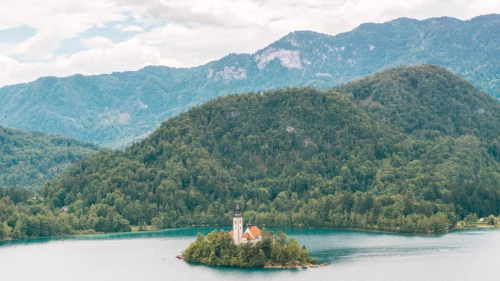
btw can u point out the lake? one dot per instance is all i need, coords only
(352, 256)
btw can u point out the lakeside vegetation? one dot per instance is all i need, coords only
(411, 149)
(473, 221)
(24, 214)
(218, 249)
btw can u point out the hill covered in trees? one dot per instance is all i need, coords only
(29, 159)
(218, 249)
(117, 109)
(410, 149)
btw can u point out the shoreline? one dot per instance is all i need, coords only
(302, 266)
(96, 235)
(267, 266)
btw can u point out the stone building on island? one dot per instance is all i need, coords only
(252, 233)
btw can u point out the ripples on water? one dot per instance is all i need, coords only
(352, 255)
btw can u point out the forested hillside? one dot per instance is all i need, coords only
(410, 149)
(117, 109)
(29, 159)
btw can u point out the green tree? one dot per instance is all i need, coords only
(492, 220)
(471, 219)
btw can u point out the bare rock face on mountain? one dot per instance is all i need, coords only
(118, 109)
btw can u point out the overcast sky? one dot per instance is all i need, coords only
(65, 37)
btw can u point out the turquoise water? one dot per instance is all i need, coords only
(352, 255)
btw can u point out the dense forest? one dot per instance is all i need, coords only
(218, 249)
(411, 149)
(29, 159)
(117, 109)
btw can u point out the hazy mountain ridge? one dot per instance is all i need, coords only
(120, 108)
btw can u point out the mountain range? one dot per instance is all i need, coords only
(117, 109)
(409, 149)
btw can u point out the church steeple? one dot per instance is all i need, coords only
(251, 235)
(237, 225)
(237, 211)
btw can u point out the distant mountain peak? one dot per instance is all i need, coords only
(299, 39)
(89, 107)
(489, 17)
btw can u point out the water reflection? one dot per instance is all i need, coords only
(352, 255)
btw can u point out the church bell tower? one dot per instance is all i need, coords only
(237, 225)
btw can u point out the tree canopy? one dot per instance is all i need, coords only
(29, 159)
(411, 149)
(218, 249)
(117, 109)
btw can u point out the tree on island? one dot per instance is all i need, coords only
(218, 249)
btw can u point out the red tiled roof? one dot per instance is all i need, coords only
(255, 231)
(250, 234)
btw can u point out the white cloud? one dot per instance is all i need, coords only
(54, 20)
(130, 55)
(97, 42)
(195, 46)
(186, 32)
(125, 27)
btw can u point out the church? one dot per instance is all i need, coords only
(251, 235)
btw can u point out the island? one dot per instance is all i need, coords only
(250, 249)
